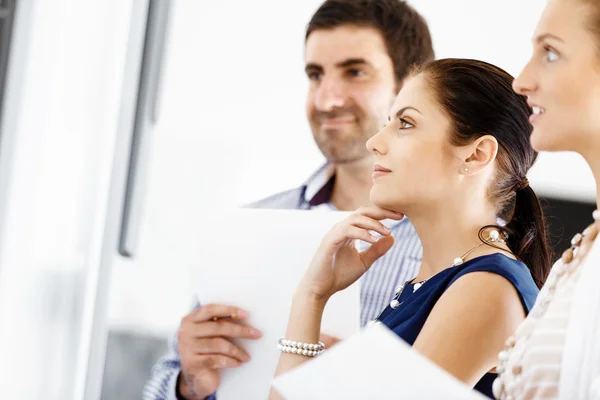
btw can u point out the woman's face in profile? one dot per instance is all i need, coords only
(415, 148)
(562, 79)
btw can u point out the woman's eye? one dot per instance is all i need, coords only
(404, 124)
(551, 55)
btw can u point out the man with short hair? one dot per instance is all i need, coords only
(357, 54)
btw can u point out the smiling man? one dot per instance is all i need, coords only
(357, 54)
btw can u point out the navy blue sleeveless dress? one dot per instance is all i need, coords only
(415, 305)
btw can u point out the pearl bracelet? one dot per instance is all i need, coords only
(302, 349)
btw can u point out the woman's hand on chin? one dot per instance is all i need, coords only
(337, 263)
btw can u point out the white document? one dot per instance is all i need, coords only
(373, 364)
(255, 259)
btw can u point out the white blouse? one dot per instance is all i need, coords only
(555, 353)
(539, 358)
(580, 372)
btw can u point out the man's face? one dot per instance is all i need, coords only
(352, 88)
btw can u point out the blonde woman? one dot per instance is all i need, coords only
(556, 351)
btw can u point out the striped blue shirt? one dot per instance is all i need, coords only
(378, 284)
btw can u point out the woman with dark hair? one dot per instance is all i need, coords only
(555, 353)
(454, 159)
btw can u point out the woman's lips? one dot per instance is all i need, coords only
(379, 171)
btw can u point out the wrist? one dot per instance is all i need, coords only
(183, 391)
(304, 324)
(309, 300)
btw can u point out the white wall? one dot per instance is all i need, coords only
(232, 125)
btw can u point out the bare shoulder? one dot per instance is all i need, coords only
(470, 323)
(478, 303)
(470, 289)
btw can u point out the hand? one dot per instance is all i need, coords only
(337, 263)
(329, 341)
(205, 348)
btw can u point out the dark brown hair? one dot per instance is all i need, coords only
(404, 31)
(479, 99)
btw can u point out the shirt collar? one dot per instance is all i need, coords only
(318, 188)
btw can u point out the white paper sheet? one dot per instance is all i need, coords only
(373, 364)
(255, 259)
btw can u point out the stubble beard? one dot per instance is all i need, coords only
(344, 146)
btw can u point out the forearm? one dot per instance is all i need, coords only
(304, 325)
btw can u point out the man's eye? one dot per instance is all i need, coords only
(356, 72)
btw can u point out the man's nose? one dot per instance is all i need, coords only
(330, 95)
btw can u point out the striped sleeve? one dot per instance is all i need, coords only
(288, 200)
(163, 382)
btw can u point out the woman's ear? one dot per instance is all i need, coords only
(479, 155)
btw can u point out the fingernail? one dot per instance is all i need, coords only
(374, 238)
(241, 314)
(388, 230)
(255, 333)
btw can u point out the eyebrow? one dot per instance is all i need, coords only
(402, 110)
(547, 36)
(351, 62)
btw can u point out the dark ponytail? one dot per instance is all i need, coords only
(527, 234)
(479, 99)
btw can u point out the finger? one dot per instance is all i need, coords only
(355, 233)
(368, 223)
(219, 346)
(379, 213)
(376, 250)
(211, 311)
(216, 361)
(228, 329)
(590, 233)
(329, 341)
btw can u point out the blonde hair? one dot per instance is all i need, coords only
(593, 24)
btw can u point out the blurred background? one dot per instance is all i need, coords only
(122, 120)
